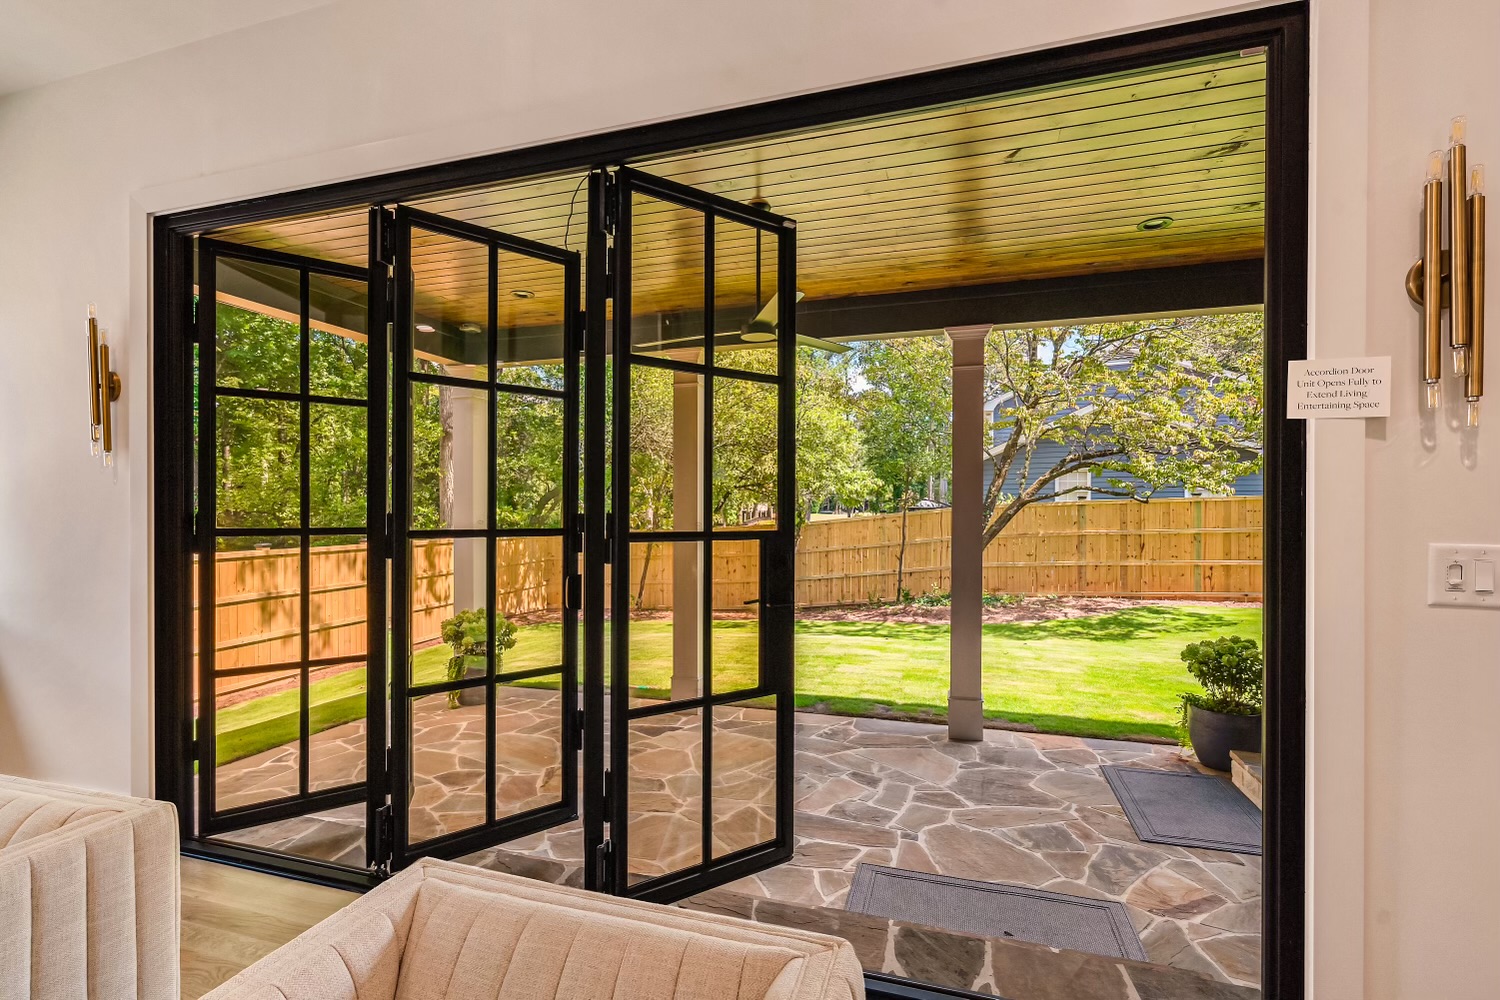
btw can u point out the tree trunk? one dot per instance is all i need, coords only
(640, 588)
(901, 552)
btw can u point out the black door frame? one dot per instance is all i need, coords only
(209, 532)
(1283, 30)
(609, 869)
(494, 829)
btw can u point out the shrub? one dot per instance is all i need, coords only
(1231, 670)
(1002, 600)
(934, 598)
(466, 633)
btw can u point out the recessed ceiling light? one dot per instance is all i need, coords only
(1154, 223)
(524, 293)
(469, 327)
(757, 337)
(426, 328)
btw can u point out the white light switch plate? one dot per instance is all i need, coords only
(1463, 576)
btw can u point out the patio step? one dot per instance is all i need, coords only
(1247, 774)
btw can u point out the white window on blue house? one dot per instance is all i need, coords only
(1079, 482)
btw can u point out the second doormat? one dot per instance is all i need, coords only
(996, 910)
(1186, 809)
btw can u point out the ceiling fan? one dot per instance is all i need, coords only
(762, 328)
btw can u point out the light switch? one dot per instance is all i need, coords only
(1462, 576)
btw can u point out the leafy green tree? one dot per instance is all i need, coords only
(906, 417)
(1163, 401)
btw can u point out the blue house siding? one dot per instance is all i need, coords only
(1049, 453)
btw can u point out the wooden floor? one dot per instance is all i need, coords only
(231, 917)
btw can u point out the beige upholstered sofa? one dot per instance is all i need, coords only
(88, 895)
(442, 930)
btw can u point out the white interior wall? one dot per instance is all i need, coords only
(1403, 748)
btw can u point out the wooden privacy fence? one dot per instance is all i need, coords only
(1195, 548)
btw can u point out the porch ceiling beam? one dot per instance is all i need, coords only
(1156, 292)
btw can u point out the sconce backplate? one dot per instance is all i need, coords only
(1414, 282)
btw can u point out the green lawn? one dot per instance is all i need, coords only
(1115, 675)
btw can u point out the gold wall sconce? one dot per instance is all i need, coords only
(104, 389)
(1452, 278)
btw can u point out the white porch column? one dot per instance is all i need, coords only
(687, 558)
(471, 449)
(965, 683)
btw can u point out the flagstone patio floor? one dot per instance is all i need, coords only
(1022, 808)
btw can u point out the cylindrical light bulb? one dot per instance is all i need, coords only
(1471, 414)
(1435, 165)
(1459, 130)
(1434, 395)
(1460, 361)
(1476, 179)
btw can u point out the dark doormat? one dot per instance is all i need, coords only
(996, 910)
(1186, 809)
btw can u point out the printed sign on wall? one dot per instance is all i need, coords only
(1338, 387)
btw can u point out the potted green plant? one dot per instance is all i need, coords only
(465, 632)
(1225, 715)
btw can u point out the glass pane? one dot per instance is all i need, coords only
(338, 451)
(665, 796)
(666, 279)
(744, 451)
(259, 322)
(258, 609)
(528, 746)
(666, 450)
(257, 728)
(666, 620)
(259, 463)
(450, 302)
(736, 616)
(449, 456)
(529, 575)
(745, 299)
(338, 569)
(528, 461)
(337, 352)
(531, 307)
(743, 795)
(447, 767)
(336, 835)
(336, 726)
(447, 591)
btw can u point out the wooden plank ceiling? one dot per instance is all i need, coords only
(1040, 183)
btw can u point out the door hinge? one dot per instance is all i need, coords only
(385, 839)
(578, 723)
(611, 203)
(387, 227)
(604, 867)
(609, 537)
(605, 799)
(390, 532)
(609, 276)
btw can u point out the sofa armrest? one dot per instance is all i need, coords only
(355, 954)
(89, 900)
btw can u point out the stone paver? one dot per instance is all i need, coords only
(1025, 808)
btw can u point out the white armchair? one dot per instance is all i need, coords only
(443, 930)
(89, 902)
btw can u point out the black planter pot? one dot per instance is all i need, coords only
(472, 669)
(1215, 734)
